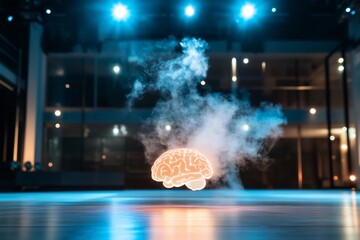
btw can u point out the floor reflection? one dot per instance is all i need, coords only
(180, 222)
(158, 215)
(350, 216)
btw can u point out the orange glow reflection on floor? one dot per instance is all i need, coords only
(182, 166)
(172, 223)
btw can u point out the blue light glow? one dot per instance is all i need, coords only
(10, 18)
(189, 11)
(247, 11)
(116, 130)
(273, 9)
(116, 69)
(353, 12)
(48, 11)
(181, 214)
(213, 197)
(120, 12)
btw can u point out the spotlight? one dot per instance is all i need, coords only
(246, 127)
(203, 83)
(37, 166)
(48, 11)
(344, 129)
(247, 11)
(245, 60)
(14, 166)
(234, 78)
(57, 113)
(347, 9)
(341, 68)
(10, 18)
(120, 12)
(344, 147)
(168, 128)
(263, 65)
(352, 178)
(312, 111)
(67, 86)
(123, 130)
(189, 11)
(50, 164)
(273, 10)
(116, 69)
(336, 178)
(332, 138)
(340, 60)
(57, 125)
(116, 130)
(28, 166)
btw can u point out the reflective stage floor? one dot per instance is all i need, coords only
(171, 214)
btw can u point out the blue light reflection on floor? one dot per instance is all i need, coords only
(224, 196)
(169, 214)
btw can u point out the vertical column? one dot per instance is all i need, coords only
(299, 134)
(234, 79)
(354, 36)
(16, 158)
(35, 96)
(356, 108)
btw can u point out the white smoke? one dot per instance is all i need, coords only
(227, 131)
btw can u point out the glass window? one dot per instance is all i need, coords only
(70, 81)
(113, 82)
(296, 81)
(94, 147)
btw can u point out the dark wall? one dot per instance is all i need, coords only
(7, 123)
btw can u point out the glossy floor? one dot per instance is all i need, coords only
(169, 214)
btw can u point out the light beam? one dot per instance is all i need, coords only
(120, 12)
(189, 11)
(247, 11)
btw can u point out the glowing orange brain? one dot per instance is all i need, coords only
(182, 166)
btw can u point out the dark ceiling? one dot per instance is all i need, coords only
(89, 22)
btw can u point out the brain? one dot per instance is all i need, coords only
(182, 166)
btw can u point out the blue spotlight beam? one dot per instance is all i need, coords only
(247, 11)
(120, 12)
(189, 11)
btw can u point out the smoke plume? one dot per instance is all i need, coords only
(228, 131)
